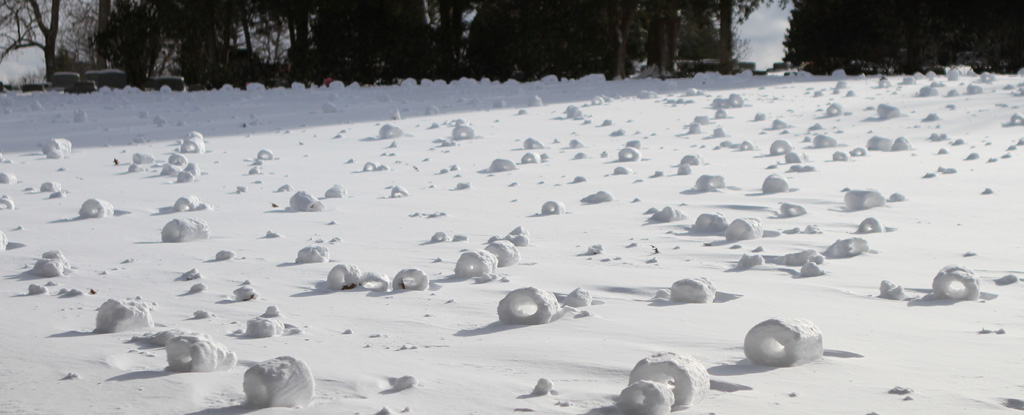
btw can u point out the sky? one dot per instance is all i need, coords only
(765, 29)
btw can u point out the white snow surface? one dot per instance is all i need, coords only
(449, 336)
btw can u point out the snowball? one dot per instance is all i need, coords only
(744, 229)
(36, 289)
(749, 261)
(265, 154)
(477, 263)
(120, 315)
(824, 141)
(709, 183)
(901, 144)
(956, 282)
(684, 170)
(578, 298)
(870, 225)
(8, 178)
(186, 177)
(789, 210)
(143, 158)
(302, 201)
(505, 251)
(224, 255)
(529, 158)
(623, 171)
(411, 279)
(500, 165)
(668, 214)
(693, 290)
(262, 327)
(629, 154)
(403, 383)
(834, 110)
(845, 248)
(927, 91)
(52, 264)
(780, 147)
(710, 223)
(388, 131)
(280, 382)
(532, 144)
(245, 293)
(783, 342)
(376, 281)
(49, 187)
(886, 112)
(57, 148)
(953, 75)
(187, 203)
(313, 254)
(193, 145)
(891, 291)
(344, 277)
(527, 306)
(463, 132)
(694, 129)
(646, 398)
(185, 230)
(863, 199)
(95, 208)
(689, 379)
(440, 237)
(599, 197)
(169, 170)
(973, 89)
(543, 387)
(198, 354)
(197, 288)
(552, 208)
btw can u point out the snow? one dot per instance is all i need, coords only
(528, 306)
(279, 382)
(783, 343)
(360, 330)
(120, 315)
(688, 378)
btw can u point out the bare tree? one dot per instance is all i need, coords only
(30, 24)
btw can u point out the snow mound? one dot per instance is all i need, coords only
(57, 148)
(313, 254)
(693, 290)
(198, 354)
(713, 223)
(863, 199)
(303, 201)
(846, 248)
(280, 382)
(527, 306)
(507, 253)
(599, 197)
(744, 229)
(956, 282)
(501, 165)
(3, 241)
(411, 279)
(552, 208)
(811, 269)
(668, 214)
(783, 343)
(120, 315)
(52, 264)
(262, 327)
(95, 208)
(185, 230)
(646, 398)
(687, 378)
(344, 277)
(475, 264)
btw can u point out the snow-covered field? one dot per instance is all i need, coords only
(949, 191)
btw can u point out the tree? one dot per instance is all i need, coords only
(28, 24)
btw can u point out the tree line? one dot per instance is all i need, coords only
(216, 42)
(906, 36)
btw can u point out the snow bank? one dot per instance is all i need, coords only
(344, 277)
(411, 279)
(863, 199)
(505, 251)
(693, 290)
(313, 254)
(280, 382)
(198, 354)
(57, 148)
(52, 264)
(783, 343)
(744, 229)
(303, 201)
(687, 377)
(185, 230)
(527, 306)
(95, 208)
(474, 264)
(120, 315)
(956, 282)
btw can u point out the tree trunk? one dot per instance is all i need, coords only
(725, 12)
(620, 21)
(50, 49)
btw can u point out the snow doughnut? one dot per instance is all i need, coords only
(834, 110)
(689, 377)
(177, 160)
(187, 203)
(783, 343)
(528, 306)
(193, 145)
(709, 183)
(505, 251)
(646, 398)
(780, 147)
(744, 229)
(475, 264)
(344, 277)
(313, 254)
(710, 223)
(265, 154)
(185, 230)
(552, 208)
(57, 148)
(863, 199)
(693, 290)
(463, 132)
(956, 282)
(3, 242)
(691, 160)
(120, 315)
(529, 158)
(870, 225)
(198, 354)
(411, 279)
(95, 208)
(629, 154)
(775, 184)
(280, 382)
(789, 210)
(376, 281)
(302, 201)
(532, 144)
